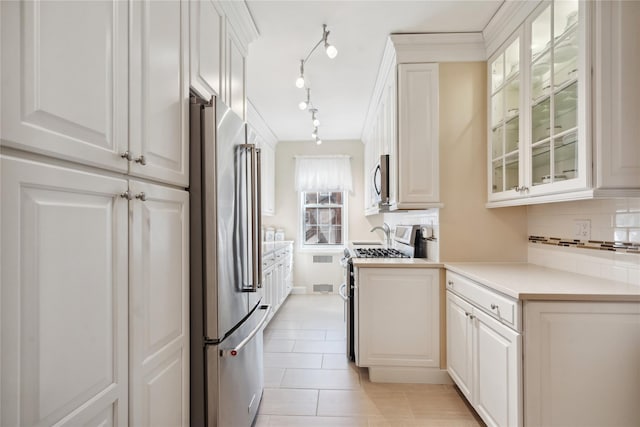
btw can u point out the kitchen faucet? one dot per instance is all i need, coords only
(387, 232)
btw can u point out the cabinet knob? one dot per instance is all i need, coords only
(471, 316)
(466, 314)
(141, 196)
(450, 283)
(141, 160)
(126, 195)
(127, 155)
(494, 306)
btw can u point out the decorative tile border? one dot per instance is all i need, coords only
(626, 247)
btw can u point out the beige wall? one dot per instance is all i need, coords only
(468, 230)
(306, 273)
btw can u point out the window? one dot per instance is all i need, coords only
(323, 215)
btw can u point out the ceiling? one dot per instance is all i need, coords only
(340, 88)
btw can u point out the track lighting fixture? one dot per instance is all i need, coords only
(300, 79)
(301, 83)
(330, 49)
(304, 104)
(314, 119)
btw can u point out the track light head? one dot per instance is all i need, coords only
(331, 50)
(300, 79)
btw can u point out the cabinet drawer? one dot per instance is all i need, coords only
(507, 310)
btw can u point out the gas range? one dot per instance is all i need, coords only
(378, 253)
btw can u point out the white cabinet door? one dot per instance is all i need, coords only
(497, 374)
(235, 74)
(459, 344)
(159, 306)
(267, 156)
(616, 88)
(64, 79)
(418, 162)
(159, 91)
(206, 47)
(389, 300)
(582, 363)
(64, 297)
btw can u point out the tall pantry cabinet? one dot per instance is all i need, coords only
(94, 166)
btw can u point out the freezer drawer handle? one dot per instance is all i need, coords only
(342, 291)
(234, 351)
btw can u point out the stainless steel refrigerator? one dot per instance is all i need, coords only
(227, 316)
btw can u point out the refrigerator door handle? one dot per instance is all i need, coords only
(257, 239)
(232, 352)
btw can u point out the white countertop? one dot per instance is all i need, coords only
(396, 262)
(532, 282)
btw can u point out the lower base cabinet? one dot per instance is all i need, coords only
(582, 363)
(561, 364)
(94, 303)
(277, 273)
(483, 358)
(397, 323)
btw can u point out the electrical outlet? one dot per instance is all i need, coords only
(582, 229)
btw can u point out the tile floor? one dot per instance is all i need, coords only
(309, 382)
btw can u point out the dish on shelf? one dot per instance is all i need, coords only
(512, 112)
(547, 178)
(539, 68)
(565, 51)
(569, 138)
(572, 18)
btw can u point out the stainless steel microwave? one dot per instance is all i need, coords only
(380, 183)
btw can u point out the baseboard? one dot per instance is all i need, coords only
(299, 290)
(403, 374)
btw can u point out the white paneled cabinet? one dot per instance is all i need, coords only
(616, 59)
(159, 91)
(110, 98)
(582, 363)
(403, 123)
(277, 269)
(159, 305)
(260, 134)
(95, 261)
(484, 356)
(65, 80)
(398, 318)
(64, 296)
(418, 161)
(207, 47)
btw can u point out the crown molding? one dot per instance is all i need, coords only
(440, 47)
(241, 21)
(506, 20)
(257, 122)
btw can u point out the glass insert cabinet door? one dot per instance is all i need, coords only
(505, 119)
(553, 101)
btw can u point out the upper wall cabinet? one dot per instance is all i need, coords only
(112, 98)
(220, 35)
(159, 91)
(51, 76)
(261, 135)
(207, 47)
(542, 144)
(403, 118)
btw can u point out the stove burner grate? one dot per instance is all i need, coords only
(379, 253)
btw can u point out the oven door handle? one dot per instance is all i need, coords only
(342, 291)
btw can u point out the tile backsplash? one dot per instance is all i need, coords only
(611, 220)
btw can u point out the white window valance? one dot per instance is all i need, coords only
(323, 173)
